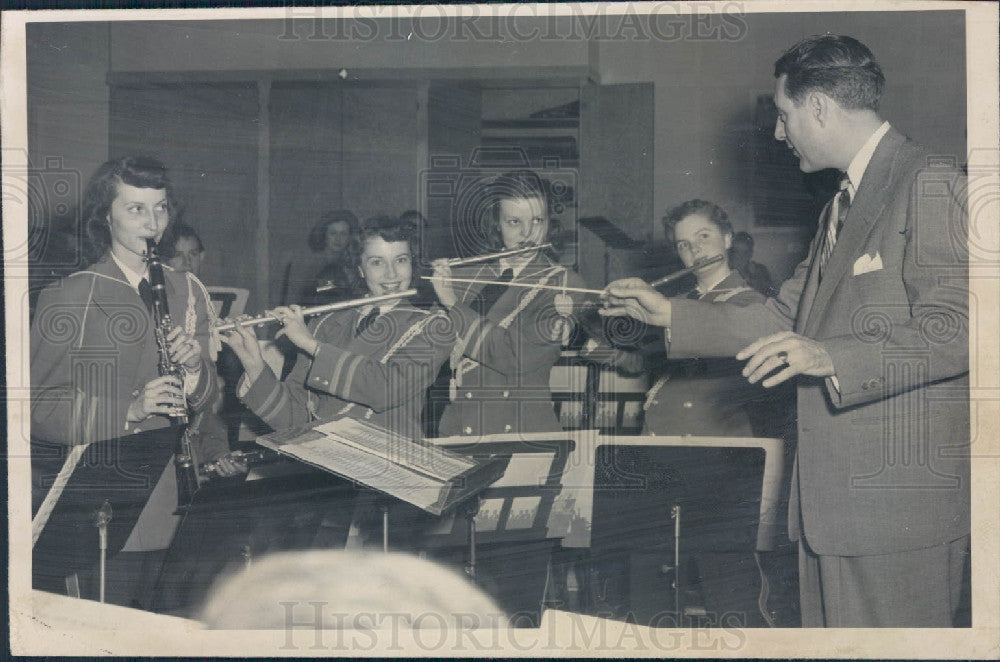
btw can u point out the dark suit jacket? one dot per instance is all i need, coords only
(883, 455)
(93, 348)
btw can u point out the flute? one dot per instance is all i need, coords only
(318, 310)
(459, 261)
(684, 272)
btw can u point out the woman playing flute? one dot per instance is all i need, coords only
(703, 396)
(508, 337)
(371, 362)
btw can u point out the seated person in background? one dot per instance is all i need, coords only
(754, 273)
(185, 253)
(509, 337)
(368, 362)
(366, 591)
(699, 396)
(335, 280)
(182, 248)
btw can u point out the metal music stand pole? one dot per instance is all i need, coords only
(675, 514)
(101, 519)
(385, 529)
(470, 516)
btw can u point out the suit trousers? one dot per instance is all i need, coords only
(917, 588)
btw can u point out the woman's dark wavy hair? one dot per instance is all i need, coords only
(317, 236)
(716, 214)
(841, 67)
(517, 184)
(389, 229)
(102, 189)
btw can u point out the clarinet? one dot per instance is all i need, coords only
(187, 475)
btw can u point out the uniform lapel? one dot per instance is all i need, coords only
(869, 202)
(111, 288)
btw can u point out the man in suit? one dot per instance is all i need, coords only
(873, 326)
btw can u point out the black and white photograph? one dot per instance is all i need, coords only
(653, 329)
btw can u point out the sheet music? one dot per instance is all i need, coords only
(369, 469)
(432, 461)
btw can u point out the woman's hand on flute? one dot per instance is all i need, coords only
(293, 327)
(636, 298)
(443, 288)
(243, 340)
(184, 349)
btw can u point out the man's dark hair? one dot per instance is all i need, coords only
(712, 211)
(102, 189)
(841, 67)
(317, 236)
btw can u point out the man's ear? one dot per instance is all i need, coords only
(728, 240)
(819, 107)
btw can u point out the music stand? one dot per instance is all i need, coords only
(122, 471)
(726, 493)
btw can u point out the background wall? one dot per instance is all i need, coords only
(704, 89)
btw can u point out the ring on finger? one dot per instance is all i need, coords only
(783, 357)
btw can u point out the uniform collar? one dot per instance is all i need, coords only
(714, 285)
(133, 277)
(383, 307)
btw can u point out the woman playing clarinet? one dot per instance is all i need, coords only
(372, 362)
(97, 357)
(510, 324)
(107, 307)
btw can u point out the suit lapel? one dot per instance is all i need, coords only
(869, 202)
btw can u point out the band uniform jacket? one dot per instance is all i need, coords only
(381, 375)
(503, 359)
(883, 452)
(706, 396)
(93, 348)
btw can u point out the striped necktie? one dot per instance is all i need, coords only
(836, 213)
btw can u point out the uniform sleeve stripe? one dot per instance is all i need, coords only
(349, 376)
(267, 407)
(338, 368)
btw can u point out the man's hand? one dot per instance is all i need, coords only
(792, 353)
(635, 298)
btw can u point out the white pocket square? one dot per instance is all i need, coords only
(867, 263)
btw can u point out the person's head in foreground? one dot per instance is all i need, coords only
(353, 590)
